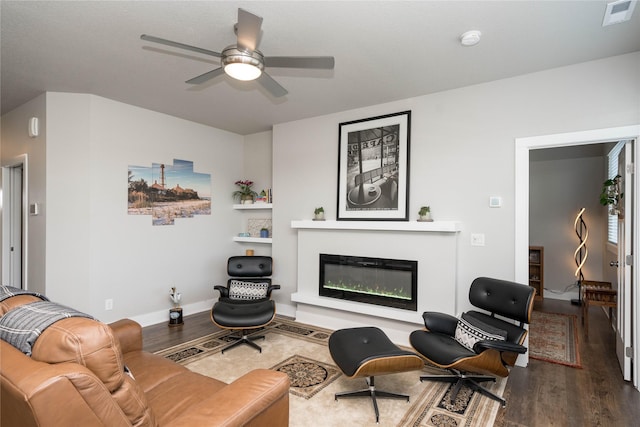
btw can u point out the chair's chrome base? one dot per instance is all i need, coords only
(373, 393)
(244, 339)
(471, 381)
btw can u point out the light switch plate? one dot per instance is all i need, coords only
(495, 202)
(477, 239)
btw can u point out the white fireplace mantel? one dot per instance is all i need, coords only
(418, 226)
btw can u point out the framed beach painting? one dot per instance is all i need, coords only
(373, 168)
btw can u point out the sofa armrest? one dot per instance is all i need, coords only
(129, 333)
(260, 397)
(50, 395)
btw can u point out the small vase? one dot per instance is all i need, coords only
(247, 199)
(319, 216)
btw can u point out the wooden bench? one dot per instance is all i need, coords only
(598, 294)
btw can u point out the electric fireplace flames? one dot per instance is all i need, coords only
(380, 281)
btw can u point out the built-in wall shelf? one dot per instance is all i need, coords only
(263, 240)
(253, 206)
(433, 226)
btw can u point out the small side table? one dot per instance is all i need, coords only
(598, 294)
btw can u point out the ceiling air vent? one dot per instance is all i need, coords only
(618, 11)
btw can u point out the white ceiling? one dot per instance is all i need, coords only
(384, 51)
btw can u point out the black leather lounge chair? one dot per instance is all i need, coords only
(245, 303)
(478, 346)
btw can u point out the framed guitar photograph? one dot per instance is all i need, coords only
(373, 168)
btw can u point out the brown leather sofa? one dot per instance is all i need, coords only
(76, 376)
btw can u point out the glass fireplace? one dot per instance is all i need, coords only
(380, 281)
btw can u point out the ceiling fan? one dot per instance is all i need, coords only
(243, 61)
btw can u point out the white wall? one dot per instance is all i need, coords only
(16, 145)
(94, 249)
(559, 188)
(462, 152)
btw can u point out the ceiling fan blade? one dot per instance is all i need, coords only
(206, 76)
(317, 62)
(272, 86)
(248, 29)
(154, 39)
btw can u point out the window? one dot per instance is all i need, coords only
(612, 171)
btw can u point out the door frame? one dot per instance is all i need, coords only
(596, 136)
(6, 223)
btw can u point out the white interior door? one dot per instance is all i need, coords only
(13, 225)
(624, 344)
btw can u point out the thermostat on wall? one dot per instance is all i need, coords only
(495, 202)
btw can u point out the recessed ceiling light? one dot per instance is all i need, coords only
(470, 38)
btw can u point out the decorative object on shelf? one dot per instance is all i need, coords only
(424, 214)
(373, 168)
(318, 214)
(254, 225)
(175, 314)
(244, 235)
(264, 232)
(249, 252)
(262, 197)
(611, 195)
(581, 253)
(245, 194)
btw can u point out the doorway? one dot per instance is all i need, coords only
(523, 147)
(14, 223)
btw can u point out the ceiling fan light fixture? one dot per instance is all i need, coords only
(242, 65)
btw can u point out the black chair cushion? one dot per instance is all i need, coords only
(515, 333)
(247, 315)
(439, 348)
(501, 297)
(250, 266)
(353, 347)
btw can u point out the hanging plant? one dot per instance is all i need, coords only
(611, 195)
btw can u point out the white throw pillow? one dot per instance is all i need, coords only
(470, 330)
(241, 290)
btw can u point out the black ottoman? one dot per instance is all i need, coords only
(367, 352)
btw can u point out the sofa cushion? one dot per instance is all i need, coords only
(91, 343)
(470, 330)
(16, 301)
(22, 325)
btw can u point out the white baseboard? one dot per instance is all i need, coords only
(163, 315)
(564, 296)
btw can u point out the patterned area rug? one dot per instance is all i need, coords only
(553, 337)
(301, 351)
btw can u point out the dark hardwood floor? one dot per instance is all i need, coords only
(542, 394)
(546, 394)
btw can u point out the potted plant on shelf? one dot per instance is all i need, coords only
(264, 232)
(424, 214)
(318, 214)
(610, 195)
(245, 194)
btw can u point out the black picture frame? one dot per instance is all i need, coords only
(373, 168)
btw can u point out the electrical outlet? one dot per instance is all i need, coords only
(477, 240)
(108, 304)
